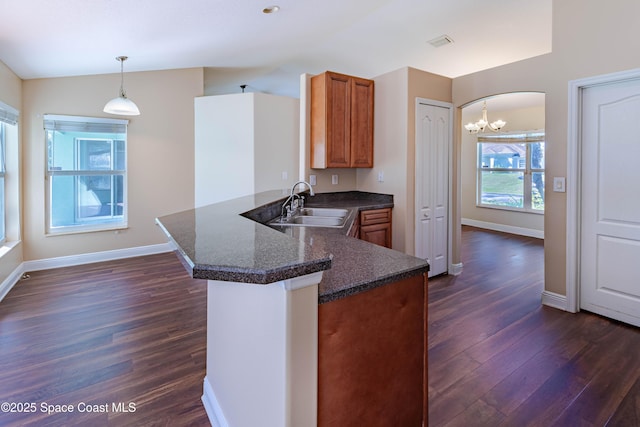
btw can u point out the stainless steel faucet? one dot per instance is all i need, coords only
(291, 200)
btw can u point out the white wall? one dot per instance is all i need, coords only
(224, 156)
(244, 143)
(277, 127)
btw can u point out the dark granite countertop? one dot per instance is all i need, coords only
(228, 241)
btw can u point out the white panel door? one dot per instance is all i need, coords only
(433, 135)
(610, 202)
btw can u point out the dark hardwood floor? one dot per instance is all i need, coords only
(120, 332)
(497, 357)
(134, 331)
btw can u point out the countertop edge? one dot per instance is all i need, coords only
(368, 285)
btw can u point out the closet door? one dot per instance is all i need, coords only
(433, 139)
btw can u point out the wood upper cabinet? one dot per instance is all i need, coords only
(341, 121)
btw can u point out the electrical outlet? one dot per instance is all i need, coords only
(312, 179)
(381, 176)
(285, 175)
(334, 179)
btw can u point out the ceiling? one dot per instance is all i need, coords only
(239, 44)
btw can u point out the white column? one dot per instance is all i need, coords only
(262, 353)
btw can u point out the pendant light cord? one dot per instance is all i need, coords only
(122, 59)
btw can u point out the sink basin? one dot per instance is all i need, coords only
(314, 217)
(324, 212)
(319, 221)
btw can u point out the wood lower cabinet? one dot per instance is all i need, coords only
(341, 121)
(372, 357)
(375, 226)
(354, 231)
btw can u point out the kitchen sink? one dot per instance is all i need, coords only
(323, 212)
(314, 217)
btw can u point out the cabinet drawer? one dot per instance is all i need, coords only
(375, 216)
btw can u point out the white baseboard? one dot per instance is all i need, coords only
(68, 261)
(8, 283)
(521, 231)
(551, 299)
(211, 406)
(455, 269)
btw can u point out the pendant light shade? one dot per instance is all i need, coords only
(122, 105)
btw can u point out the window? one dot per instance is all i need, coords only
(86, 173)
(511, 171)
(3, 138)
(8, 128)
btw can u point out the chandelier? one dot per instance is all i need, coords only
(483, 123)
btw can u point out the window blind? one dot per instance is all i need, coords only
(8, 114)
(84, 124)
(514, 137)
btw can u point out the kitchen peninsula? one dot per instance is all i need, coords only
(306, 325)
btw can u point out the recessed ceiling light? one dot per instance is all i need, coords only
(271, 9)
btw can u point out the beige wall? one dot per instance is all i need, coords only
(394, 143)
(588, 40)
(11, 256)
(390, 148)
(522, 119)
(160, 154)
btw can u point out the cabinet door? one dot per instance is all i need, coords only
(375, 226)
(361, 137)
(341, 121)
(338, 120)
(380, 234)
(372, 352)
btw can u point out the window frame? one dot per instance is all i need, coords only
(527, 139)
(97, 125)
(3, 178)
(9, 116)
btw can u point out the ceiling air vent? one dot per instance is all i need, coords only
(441, 41)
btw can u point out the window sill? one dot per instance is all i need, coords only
(85, 229)
(8, 246)
(507, 208)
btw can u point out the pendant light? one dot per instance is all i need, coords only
(122, 105)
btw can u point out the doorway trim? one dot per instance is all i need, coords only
(574, 177)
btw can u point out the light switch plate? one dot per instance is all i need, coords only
(334, 179)
(559, 184)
